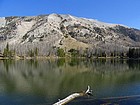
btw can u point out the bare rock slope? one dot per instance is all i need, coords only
(65, 31)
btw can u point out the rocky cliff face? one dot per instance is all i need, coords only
(66, 31)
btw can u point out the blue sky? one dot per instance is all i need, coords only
(125, 12)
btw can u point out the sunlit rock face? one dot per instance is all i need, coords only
(66, 31)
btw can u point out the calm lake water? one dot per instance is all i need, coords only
(43, 82)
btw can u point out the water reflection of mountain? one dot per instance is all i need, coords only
(58, 78)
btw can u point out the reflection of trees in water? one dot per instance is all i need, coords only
(40, 76)
(61, 62)
(8, 63)
(74, 62)
(91, 64)
(33, 62)
(134, 64)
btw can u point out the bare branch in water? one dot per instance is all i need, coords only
(73, 96)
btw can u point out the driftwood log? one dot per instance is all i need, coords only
(73, 96)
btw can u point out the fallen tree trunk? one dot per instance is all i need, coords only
(73, 96)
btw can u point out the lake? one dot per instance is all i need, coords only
(43, 82)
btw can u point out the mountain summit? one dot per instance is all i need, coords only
(65, 31)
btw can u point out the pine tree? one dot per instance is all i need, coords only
(60, 52)
(36, 52)
(6, 51)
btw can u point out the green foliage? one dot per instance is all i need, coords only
(36, 51)
(95, 53)
(8, 63)
(74, 53)
(134, 53)
(10, 54)
(66, 36)
(7, 47)
(60, 62)
(7, 52)
(74, 62)
(31, 53)
(122, 55)
(103, 54)
(112, 54)
(33, 62)
(60, 52)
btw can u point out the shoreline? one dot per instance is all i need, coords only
(52, 57)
